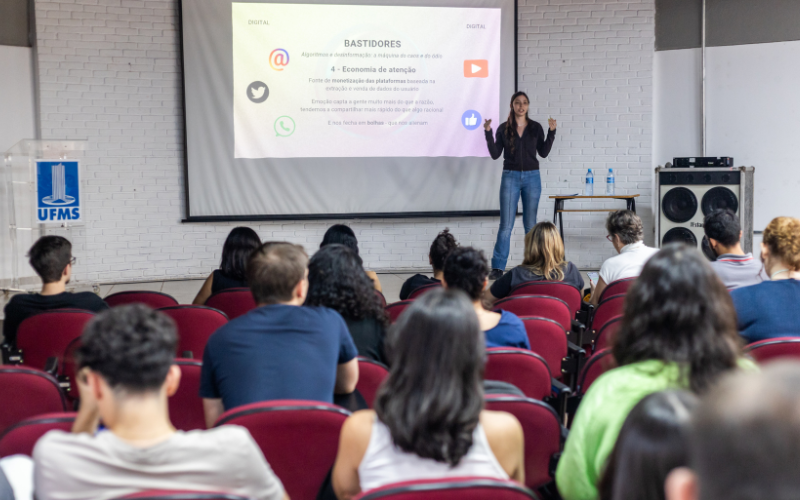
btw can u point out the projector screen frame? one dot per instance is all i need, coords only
(322, 216)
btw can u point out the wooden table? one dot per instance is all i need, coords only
(630, 199)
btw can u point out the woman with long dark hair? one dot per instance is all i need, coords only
(429, 420)
(337, 281)
(442, 245)
(344, 235)
(518, 140)
(678, 331)
(239, 244)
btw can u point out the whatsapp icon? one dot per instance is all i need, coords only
(284, 126)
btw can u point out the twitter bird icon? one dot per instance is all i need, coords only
(257, 92)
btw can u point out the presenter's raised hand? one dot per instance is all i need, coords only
(487, 125)
(553, 124)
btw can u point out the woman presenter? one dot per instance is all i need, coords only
(518, 140)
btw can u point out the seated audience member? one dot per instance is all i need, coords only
(51, 258)
(625, 232)
(239, 244)
(735, 268)
(335, 281)
(466, 269)
(653, 441)
(770, 309)
(16, 478)
(678, 331)
(343, 235)
(744, 439)
(543, 261)
(429, 420)
(126, 375)
(442, 245)
(280, 350)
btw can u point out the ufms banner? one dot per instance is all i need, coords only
(58, 196)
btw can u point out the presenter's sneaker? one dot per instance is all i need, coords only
(495, 274)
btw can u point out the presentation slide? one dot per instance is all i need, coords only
(362, 80)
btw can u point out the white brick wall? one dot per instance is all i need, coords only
(109, 73)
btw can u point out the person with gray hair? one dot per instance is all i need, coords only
(625, 232)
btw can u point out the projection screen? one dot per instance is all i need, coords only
(318, 109)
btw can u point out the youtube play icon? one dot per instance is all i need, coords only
(476, 68)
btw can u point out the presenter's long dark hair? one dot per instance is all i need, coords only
(240, 243)
(511, 125)
(433, 396)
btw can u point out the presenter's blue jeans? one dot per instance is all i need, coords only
(515, 184)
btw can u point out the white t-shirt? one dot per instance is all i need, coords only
(628, 264)
(84, 467)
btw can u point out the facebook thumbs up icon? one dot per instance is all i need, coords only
(471, 119)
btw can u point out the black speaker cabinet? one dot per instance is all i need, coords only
(687, 195)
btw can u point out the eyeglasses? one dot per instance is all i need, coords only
(72, 260)
(610, 238)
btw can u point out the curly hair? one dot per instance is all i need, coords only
(442, 245)
(466, 269)
(782, 237)
(337, 280)
(625, 224)
(132, 347)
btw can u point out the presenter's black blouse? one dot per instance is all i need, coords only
(523, 158)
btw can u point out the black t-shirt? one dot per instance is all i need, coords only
(25, 305)
(415, 282)
(502, 287)
(368, 336)
(221, 282)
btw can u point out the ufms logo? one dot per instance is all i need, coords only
(58, 196)
(278, 58)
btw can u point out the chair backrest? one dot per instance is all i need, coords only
(598, 364)
(186, 405)
(559, 289)
(370, 376)
(195, 325)
(548, 339)
(606, 333)
(381, 298)
(778, 347)
(544, 306)
(48, 334)
(182, 495)
(422, 289)
(298, 438)
(152, 299)
(232, 301)
(608, 309)
(395, 309)
(619, 287)
(459, 488)
(524, 369)
(20, 438)
(27, 392)
(542, 430)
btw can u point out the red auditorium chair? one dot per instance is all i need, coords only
(186, 405)
(544, 435)
(182, 495)
(598, 364)
(234, 302)
(156, 300)
(548, 339)
(424, 288)
(775, 348)
(538, 305)
(604, 336)
(27, 392)
(370, 376)
(558, 289)
(20, 438)
(195, 325)
(460, 488)
(298, 438)
(395, 309)
(522, 368)
(47, 335)
(608, 309)
(381, 298)
(619, 287)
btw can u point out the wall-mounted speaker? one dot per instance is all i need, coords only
(687, 195)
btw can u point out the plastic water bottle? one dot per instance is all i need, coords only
(610, 182)
(589, 183)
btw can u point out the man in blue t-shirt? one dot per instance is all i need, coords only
(280, 350)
